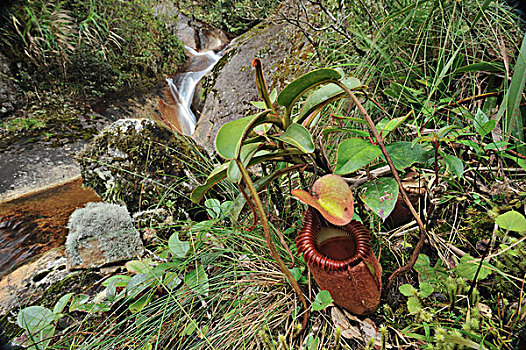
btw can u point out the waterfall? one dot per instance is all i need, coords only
(182, 86)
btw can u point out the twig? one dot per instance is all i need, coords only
(380, 142)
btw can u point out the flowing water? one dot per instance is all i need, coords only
(37, 222)
(182, 86)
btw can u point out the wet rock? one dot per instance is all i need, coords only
(28, 282)
(228, 89)
(9, 91)
(141, 164)
(100, 234)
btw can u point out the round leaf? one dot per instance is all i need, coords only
(354, 154)
(426, 289)
(332, 197)
(178, 248)
(325, 95)
(380, 196)
(34, 318)
(406, 289)
(468, 266)
(323, 299)
(512, 220)
(404, 154)
(413, 304)
(454, 165)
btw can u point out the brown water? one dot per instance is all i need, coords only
(338, 248)
(34, 223)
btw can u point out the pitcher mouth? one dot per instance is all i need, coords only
(350, 243)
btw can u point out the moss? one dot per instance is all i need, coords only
(141, 164)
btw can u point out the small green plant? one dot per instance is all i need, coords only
(40, 322)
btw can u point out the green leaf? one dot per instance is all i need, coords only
(296, 273)
(178, 248)
(197, 280)
(215, 176)
(138, 284)
(426, 289)
(332, 197)
(140, 303)
(34, 318)
(246, 154)
(512, 220)
(61, 303)
(454, 165)
(230, 136)
(354, 154)
(467, 267)
(407, 290)
(483, 125)
(259, 104)
(293, 91)
(323, 299)
(117, 281)
(138, 266)
(312, 342)
(413, 305)
(77, 301)
(325, 95)
(496, 67)
(404, 154)
(213, 207)
(385, 126)
(380, 196)
(296, 135)
(190, 328)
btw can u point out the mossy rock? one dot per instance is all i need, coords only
(141, 164)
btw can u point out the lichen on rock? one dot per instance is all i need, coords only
(99, 234)
(141, 164)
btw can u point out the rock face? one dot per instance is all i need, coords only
(100, 234)
(141, 164)
(9, 91)
(230, 87)
(29, 281)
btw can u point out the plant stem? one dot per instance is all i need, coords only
(268, 237)
(380, 142)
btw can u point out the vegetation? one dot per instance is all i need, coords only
(97, 46)
(439, 100)
(233, 16)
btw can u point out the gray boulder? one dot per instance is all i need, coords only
(100, 234)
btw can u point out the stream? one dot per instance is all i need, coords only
(34, 223)
(182, 86)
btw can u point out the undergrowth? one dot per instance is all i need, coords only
(446, 66)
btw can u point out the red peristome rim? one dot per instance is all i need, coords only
(307, 237)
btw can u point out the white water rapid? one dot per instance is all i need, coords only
(183, 85)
